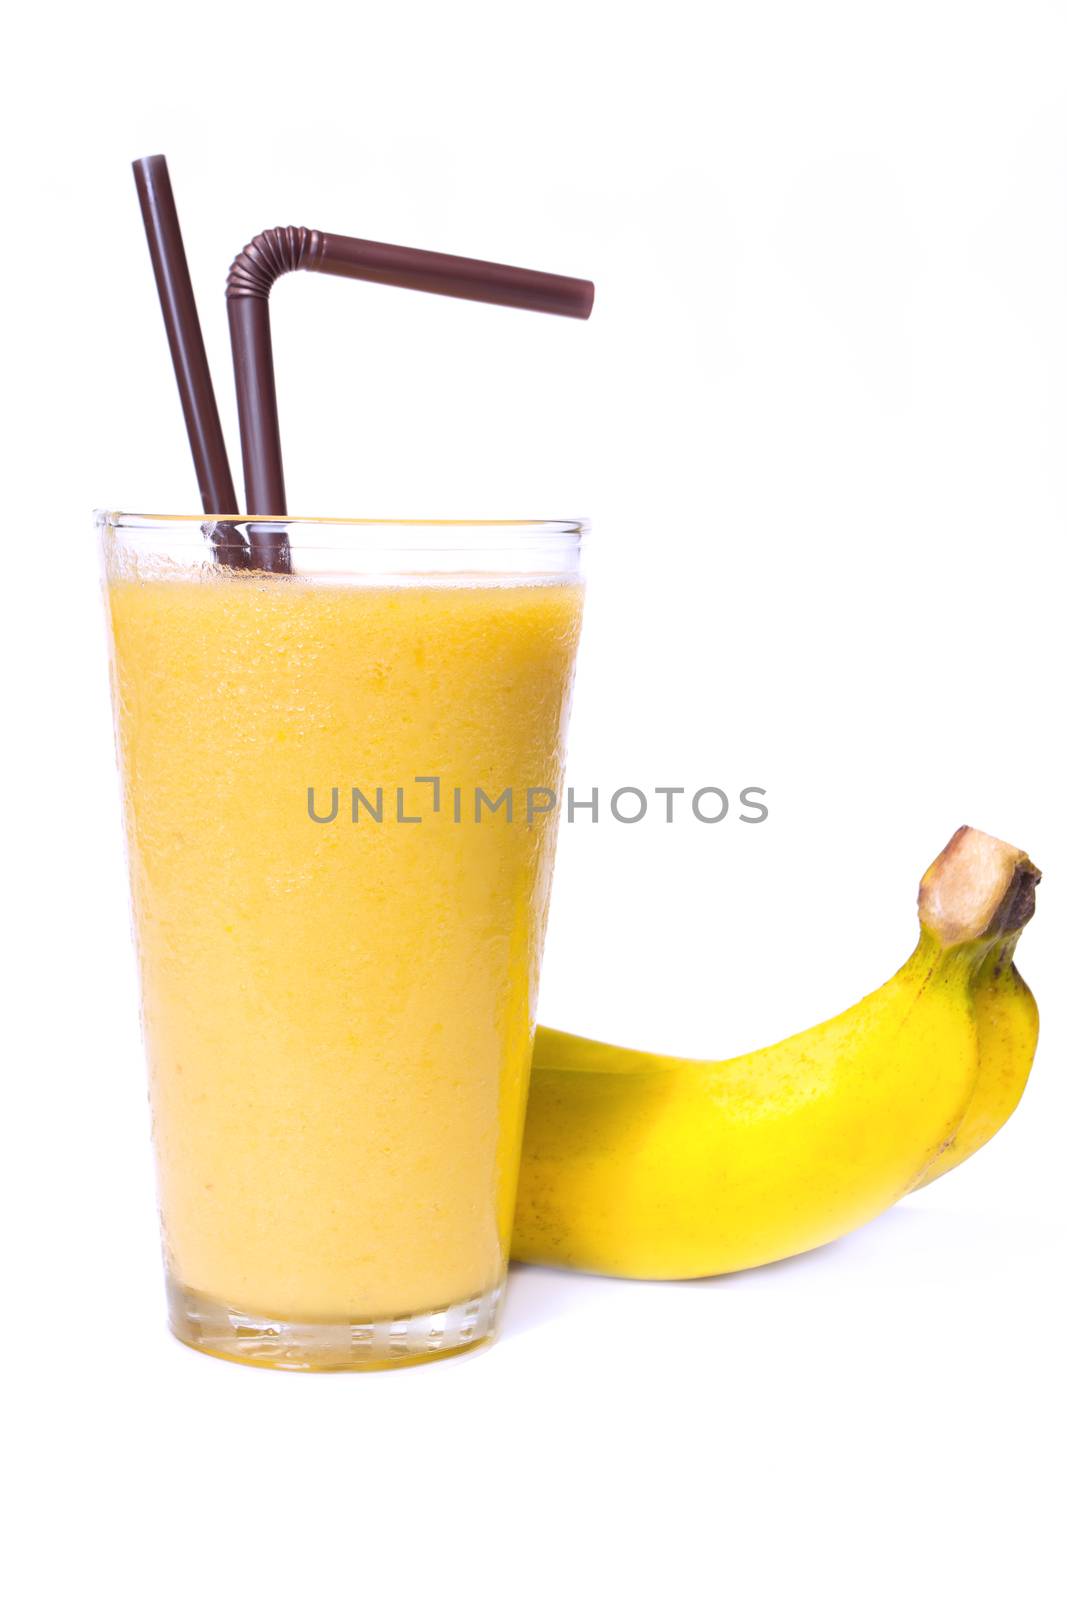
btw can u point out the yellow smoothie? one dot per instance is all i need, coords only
(338, 1013)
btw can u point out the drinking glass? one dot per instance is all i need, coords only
(340, 800)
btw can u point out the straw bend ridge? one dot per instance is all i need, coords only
(279, 250)
(271, 254)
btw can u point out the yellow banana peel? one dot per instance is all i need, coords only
(646, 1166)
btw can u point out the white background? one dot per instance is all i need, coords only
(819, 418)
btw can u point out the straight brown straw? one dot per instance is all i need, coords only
(178, 303)
(282, 250)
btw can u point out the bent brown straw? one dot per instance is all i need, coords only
(281, 250)
(178, 304)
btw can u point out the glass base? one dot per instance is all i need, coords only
(373, 1346)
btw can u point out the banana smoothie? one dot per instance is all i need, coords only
(338, 1010)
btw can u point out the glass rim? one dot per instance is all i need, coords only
(522, 530)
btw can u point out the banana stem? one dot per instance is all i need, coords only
(978, 889)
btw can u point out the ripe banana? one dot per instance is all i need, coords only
(647, 1166)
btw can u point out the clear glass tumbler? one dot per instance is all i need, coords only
(339, 790)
